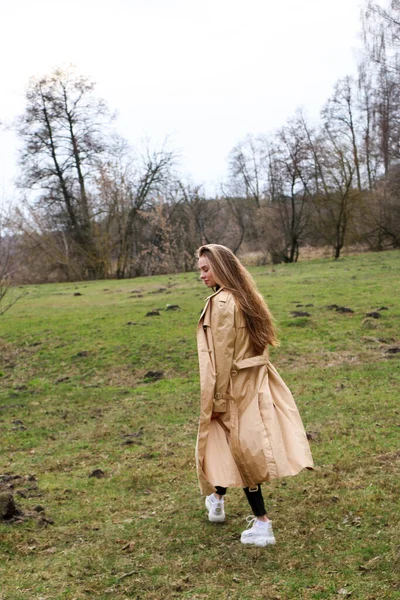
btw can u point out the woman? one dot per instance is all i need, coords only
(250, 430)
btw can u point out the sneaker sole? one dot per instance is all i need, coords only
(258, 542)
(213, 519)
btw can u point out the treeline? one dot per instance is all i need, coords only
(94, 208)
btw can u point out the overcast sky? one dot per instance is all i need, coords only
(205, 73)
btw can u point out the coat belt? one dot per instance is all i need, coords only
(253, 361)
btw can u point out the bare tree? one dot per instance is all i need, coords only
(5, 279)
(241, 212)
(340, 112)
(274, 174)
(366, 99)
(194, 200)
(293, 168)
(381, 27)
(44, 251)
(248, 169)
(152, 176)
(63, 135)
(8, 295)
(336, 202)
(129, 188)
(381, 92)
(383, 215)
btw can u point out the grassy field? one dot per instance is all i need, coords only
(79, 392)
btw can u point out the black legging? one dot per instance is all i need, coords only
(254, 497)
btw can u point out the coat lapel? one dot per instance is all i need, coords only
(204, 311)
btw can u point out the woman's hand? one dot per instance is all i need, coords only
(215, 415)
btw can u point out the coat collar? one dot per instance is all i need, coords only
(215, 293)
(203, 312)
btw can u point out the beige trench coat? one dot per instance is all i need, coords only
(259, 434)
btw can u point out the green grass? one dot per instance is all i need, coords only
(73, 393)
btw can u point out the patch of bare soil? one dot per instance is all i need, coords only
(391, 457)
(325, 360)
(14, 487)
(24, 485)
(11, 355)
(126, 376)
(393, 350)
(8, 354)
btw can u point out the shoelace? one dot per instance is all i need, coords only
(217, 502)
(250, 521)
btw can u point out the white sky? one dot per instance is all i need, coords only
(205, 73)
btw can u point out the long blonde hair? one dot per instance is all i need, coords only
(232, 275)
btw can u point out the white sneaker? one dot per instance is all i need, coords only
(216, 513)
(259, 533)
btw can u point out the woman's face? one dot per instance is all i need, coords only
(206, 272)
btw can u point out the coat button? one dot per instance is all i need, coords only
(233, 373)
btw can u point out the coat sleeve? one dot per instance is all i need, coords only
(224, 336)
